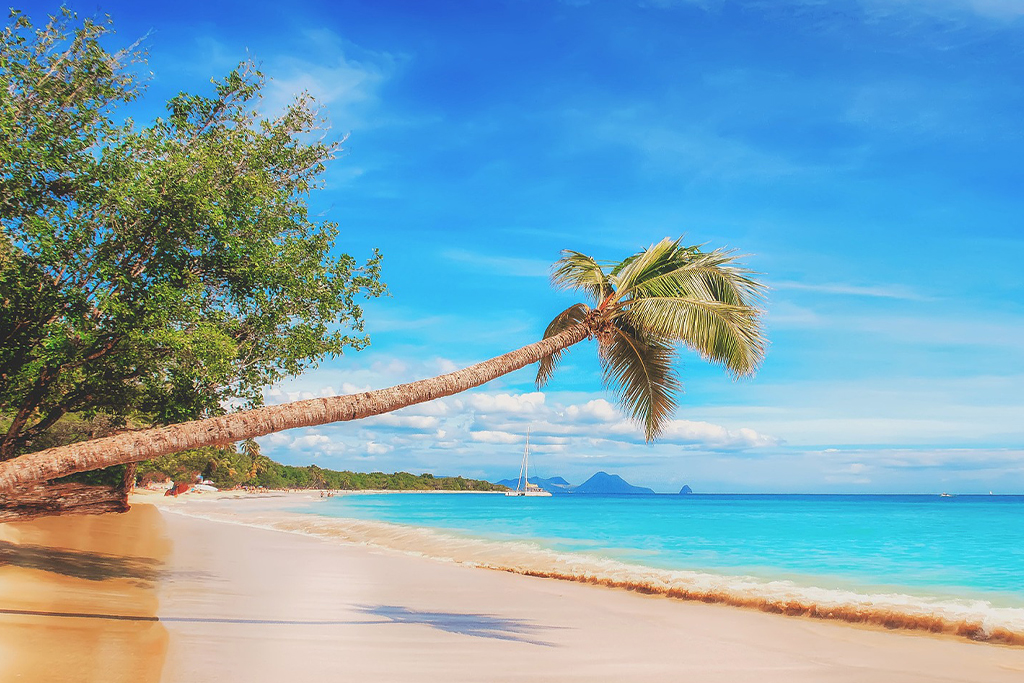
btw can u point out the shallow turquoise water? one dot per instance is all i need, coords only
(967, 546)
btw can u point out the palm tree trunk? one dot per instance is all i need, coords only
(151, 443)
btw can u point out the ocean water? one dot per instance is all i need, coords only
(954, 565)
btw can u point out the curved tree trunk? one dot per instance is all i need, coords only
(216, 431)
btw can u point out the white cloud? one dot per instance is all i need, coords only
(517, 404)
(597, 422)
(1001, 9)
(374, 448)
(976, 329)
(310, 441)
(705, 434)
(278, 394)
(892, 291)
(506, 265)
(357, 377)
(487, 436)
(598, 410)
(344, 84)
(419, 422)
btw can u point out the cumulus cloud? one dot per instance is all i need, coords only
(707, 434)
(487, 427)
(310, 441)
(598, 410)
(598, 421)
(420, 422)
(278, 394)
(487, 436)
(374, 448)
(516, 404)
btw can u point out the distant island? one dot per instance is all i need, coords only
(227, 468)
(685, 491)
(601, 483)
(552, 485)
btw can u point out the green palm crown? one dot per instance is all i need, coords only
(646, 307)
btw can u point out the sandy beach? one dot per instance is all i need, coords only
(157, 595)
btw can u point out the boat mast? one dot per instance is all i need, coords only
(526, 461)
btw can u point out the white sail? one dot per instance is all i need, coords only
(523, 485)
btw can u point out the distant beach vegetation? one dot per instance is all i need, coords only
(228, 467)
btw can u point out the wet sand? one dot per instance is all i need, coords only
(238, 603)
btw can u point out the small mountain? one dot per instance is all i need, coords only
(552, 485)
(686, 490)
(602, 482)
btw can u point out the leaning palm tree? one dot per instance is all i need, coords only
(639, 312)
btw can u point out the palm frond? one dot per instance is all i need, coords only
(617, 268)
(638, 369)
(719, 332)
(579, 271)
(702, 299)
(649, 263)
(648, 304)
(713, 276)
(576, 313)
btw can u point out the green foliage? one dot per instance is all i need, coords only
(81, 427)
(227, 468)
(224, 466)
(648, 304)
(162, 271)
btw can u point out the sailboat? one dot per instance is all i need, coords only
(523, 486)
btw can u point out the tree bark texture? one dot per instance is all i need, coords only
(218, 431)
(42, 499)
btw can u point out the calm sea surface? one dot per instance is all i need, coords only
(966, 547)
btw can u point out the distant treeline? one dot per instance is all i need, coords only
(227, 468)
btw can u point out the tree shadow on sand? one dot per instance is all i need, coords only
(476, 625)
(78, 563)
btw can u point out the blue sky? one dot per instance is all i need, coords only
(867, 156)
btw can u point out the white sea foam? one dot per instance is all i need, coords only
(971, 618)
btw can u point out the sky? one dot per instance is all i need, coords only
(866, 157)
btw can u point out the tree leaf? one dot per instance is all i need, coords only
(638, 369)
(573, 315)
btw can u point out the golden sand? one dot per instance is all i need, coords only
(78, 598)
(237, 603)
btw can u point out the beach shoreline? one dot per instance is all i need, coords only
(237, 602)
(885, 607)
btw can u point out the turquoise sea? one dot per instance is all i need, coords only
(956, 560)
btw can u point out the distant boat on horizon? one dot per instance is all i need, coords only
(523, 486)
(945, 495)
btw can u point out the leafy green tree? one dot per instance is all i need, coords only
(317, 477)
(227, 467)
(251, 448)
(160, 271)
